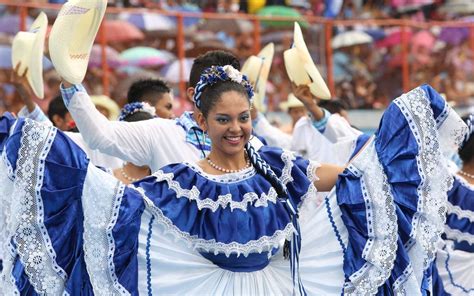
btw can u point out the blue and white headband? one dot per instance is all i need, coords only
(135, 107)
(215, 74)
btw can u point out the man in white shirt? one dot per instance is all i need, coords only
(320, 136)
(156, 142)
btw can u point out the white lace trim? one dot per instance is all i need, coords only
(8, 167)
(102, 196)
(225, 178)
(451, 130)
(456, 210)
(32, 241)
(459, 236)
(7, 280)
(428, 221)
(287, 157)
(6, 189)
(263, 244)
(311, 171)
(224, 201)
(381, 247)
(398, 286)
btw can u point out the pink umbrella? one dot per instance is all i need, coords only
(120, 31)
(393, 38)
(407, 5)
(422, 39)
(112, 57)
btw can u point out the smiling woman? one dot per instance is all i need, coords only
(240, 222)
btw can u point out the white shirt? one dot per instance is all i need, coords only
(335, 145)
(156, 142)
(96, 157)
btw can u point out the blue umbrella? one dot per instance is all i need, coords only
(376, 34)
(10, 24)
(149, 21)
(188, 21)
(6, 59)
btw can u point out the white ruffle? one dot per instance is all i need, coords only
(455, 268)
(460, 213)
(381, 247)
(7, 251)
(177, 269)
(33, 244)
(224, 201)
(101, 198)
(428, 221)
(458, 236)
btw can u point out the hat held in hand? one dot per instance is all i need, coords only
(301, 68)
(27, 50)
(72, 37)
(257, 69)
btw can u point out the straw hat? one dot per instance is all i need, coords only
(72, 37)
(257, 69)
(108, 104)
(291, 102)
(27, 49)
(301, 69)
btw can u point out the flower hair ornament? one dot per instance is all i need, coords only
(214, 74)
(135, 107)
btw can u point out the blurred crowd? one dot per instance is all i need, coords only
(367, 59)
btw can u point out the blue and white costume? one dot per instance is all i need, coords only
(455, 259)
(72, 227)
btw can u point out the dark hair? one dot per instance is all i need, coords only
(333, 106)
(142, 90)
(212, 94)
(138, 116)
(211, 58)
(57, 107)
(466, 151)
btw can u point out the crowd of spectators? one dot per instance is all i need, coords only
(367, 72)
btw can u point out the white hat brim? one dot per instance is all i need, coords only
(297, 59)
(291, 102)
(257, 69)
(27, 49)
(72, 36)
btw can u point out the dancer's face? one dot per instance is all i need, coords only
(228, 123)
(164, 106)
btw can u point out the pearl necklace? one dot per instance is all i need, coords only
(227, 171)
(463, 173)
(127, 177)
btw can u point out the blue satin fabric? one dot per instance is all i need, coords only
(6, 122)
(226, 225)
(397, 149)
(462, 196)
(125, 233)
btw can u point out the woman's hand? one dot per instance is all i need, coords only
(303, 93)
(327, 174)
